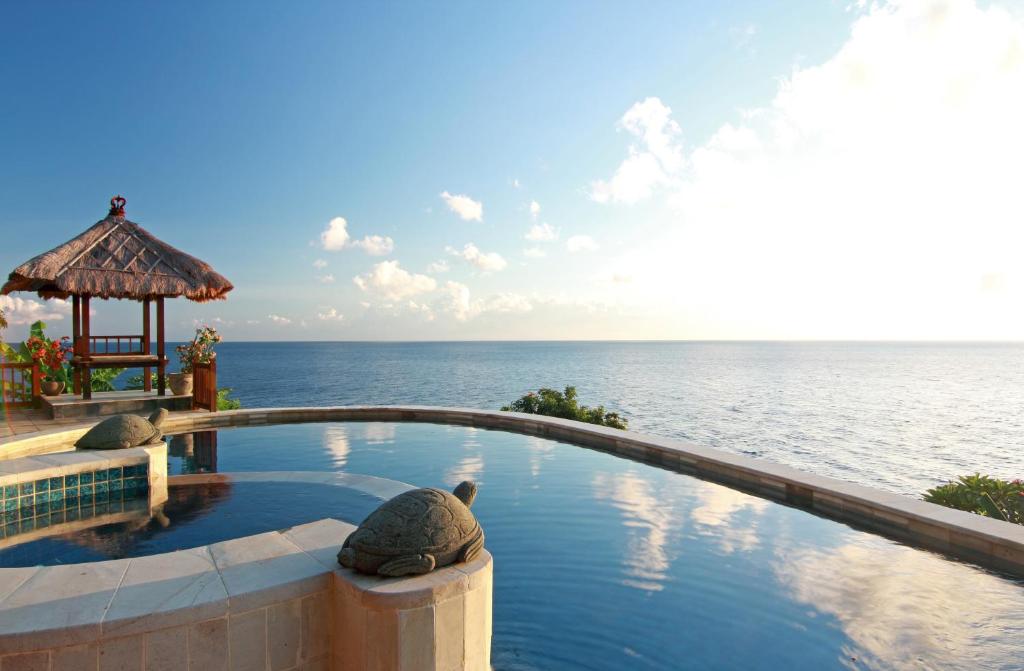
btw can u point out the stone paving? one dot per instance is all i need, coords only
(28, 420)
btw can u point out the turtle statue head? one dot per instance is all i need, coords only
(466, 492)
(121, 431)
(416, 532)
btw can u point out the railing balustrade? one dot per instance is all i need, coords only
(19, 384)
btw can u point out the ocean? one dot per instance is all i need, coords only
(897, 416)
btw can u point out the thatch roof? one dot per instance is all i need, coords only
(117, 258)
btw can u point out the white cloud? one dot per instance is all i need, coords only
(654, 160)
(252, 322)
(391, 281)
(335, 236)
(457, 301)
(534, 209)
(543, 232)
(534, 253)
(331, 315)
(20, 311)
(437, 267)
(516, 184)
(487, 262)
(277, 319)
(319, 264)
(885, 177)
(464, 206)
(326, 279)
(375, 245)
(580, 243)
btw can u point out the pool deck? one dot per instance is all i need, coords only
(30, 420)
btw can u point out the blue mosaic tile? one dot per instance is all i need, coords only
(102, 487)
(57, 517)
(10, 491)
(42, 508)
(56, 495)
(28, 525)
(42, 497)
(70, 493)
(86, 489)
(11, 529)
(71, 480)
(116, 485)
(42, 521)
(85, 478)
(42, 485)
(10, 504)
(114, 473)
(100, 476)
(72, 514)
(27, 488)
(57, 483)
(10, 517)
(86, 499)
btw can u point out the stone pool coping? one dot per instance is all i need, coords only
(973, 537)
(238, 598)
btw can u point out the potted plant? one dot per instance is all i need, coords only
(200, 350)
(50, 355)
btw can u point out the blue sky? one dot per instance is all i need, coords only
(239, 131)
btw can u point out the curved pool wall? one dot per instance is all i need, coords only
(979, 539)
(275, 601)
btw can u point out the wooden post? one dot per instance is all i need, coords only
(86, 347)
(36, 382)
(76, 333)
(147, 372)
(162, 365)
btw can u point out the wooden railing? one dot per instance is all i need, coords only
(204, 385)
(112, 344)
(19, 384)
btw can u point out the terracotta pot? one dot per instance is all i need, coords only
(52, 388)
(180, 383)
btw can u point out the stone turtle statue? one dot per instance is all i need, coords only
(122, 431)
(416, 532)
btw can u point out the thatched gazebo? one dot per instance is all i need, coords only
(117, 258)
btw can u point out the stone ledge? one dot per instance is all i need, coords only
(287, 580)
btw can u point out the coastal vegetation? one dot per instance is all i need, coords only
(52, 357)
(983, 495)
(553, 403)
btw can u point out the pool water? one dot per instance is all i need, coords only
(194, 515)
(604, 563)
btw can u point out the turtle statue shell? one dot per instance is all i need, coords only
(416, 532)
(122, 431)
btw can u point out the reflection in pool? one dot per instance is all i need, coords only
(603, 563)
(194, 515)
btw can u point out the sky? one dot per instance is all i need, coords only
(575, 170)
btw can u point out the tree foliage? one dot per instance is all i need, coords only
(980, 494)
(553, 403)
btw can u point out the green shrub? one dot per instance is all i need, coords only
(980, 494)
(553, 403)
(226, 403)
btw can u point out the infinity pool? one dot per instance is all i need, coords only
(604, 563)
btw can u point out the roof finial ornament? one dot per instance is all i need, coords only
(117, 204)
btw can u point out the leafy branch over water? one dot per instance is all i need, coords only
(980, 494)
(553, 403)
